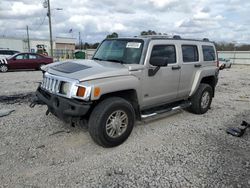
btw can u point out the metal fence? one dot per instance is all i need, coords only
(236, 57)
(69, 54)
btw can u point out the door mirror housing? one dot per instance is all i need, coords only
(159, 61)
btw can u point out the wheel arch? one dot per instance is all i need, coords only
(130, 95)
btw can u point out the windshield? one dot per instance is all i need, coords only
(10, 57)
(125, 51)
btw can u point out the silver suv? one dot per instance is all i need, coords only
(129, 79)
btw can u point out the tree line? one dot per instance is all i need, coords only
(220, 46)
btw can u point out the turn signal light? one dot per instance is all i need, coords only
(97, 91)
(80, 91)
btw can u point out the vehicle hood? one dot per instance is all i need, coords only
(84, 70)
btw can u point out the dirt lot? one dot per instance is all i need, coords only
(182, 150)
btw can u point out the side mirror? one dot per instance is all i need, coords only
(159, 61)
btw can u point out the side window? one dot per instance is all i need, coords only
(4, 52)
(32, 56)
(166, 51)
(20, 56)
(208, 53)
(190, 53)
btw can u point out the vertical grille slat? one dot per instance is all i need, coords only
(50, 84)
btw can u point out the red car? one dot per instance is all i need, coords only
(24, 61)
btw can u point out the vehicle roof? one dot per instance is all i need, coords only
(162, 37)
(9, 50)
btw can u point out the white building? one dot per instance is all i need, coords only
(21, 44)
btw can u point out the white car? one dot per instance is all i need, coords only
(224, 63)
(7, 53)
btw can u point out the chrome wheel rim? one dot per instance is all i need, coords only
(205, 99)
(3, 68)
(116, 124)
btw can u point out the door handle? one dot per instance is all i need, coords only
(176, 67)
(197, 65)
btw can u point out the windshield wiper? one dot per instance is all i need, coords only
(96, 58)
(115, 60)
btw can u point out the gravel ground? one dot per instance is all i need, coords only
(181, 150)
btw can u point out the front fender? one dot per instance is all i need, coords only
(115, 84)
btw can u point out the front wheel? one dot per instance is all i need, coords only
(3, 68)
(202, 99)
(111, 122)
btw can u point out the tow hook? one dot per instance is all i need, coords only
(35, 102)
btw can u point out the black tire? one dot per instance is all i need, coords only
(3, 68)
(197, 106)
(100, 116)
(230, 65)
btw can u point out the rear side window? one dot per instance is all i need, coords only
(3, 52)
(208, 53)
(166, 51)
(190, 53)
(31, 56)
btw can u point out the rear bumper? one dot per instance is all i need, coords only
(63, 108)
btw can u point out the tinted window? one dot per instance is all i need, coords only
(7, 52)
(3, 52)
(166, 51)
(190, 53)
(208, 53)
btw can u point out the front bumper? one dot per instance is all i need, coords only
(61, 107)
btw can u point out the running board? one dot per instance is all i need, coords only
(165, 109)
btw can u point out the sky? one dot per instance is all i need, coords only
(218, 20)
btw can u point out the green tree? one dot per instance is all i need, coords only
(149, 32)
(113, 35)
(94, 46)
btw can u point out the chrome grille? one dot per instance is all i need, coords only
(50, 84)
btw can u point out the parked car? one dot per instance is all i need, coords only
(24, 61)
(224, 63)
(4, 53)
(129, 79)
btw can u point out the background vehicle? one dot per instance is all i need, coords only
(24, 61)
(128, 79)
(41, 49)
(7, 53)
(224, 63)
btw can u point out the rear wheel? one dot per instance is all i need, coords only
(111, 122)
(202, 99)
(3, 68)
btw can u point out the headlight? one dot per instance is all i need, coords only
(64, 88)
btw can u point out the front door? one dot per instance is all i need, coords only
(162, 87)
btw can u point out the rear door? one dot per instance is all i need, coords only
(34, 61)
(191, 62)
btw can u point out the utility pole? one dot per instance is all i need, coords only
(80, 44)
(50, 29)
(28, 38)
